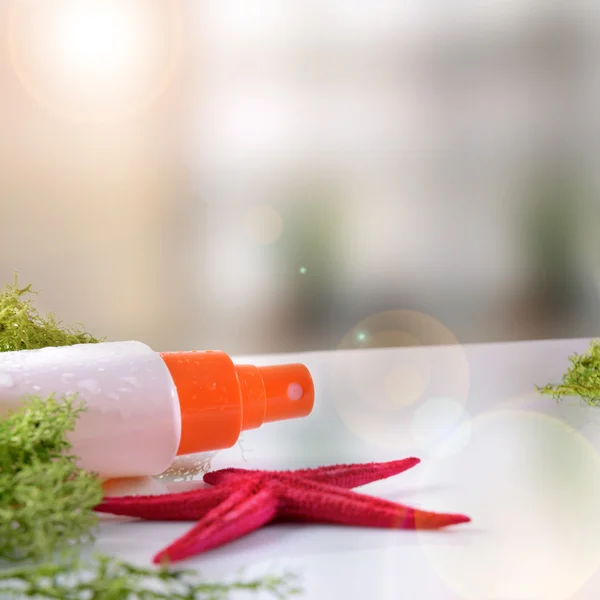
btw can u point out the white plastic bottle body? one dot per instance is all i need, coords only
(132, 421)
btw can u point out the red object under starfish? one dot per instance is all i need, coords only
(242, 501)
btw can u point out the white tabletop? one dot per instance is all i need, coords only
(525, 468)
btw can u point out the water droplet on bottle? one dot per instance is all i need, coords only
(132, 381)
(36, 388)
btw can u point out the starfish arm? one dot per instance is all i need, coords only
(244, 511)
(229, 475)
(184, 506)
(346, 476)
(310, 501)
(351, 476)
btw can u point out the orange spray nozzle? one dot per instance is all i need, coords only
(218, 399)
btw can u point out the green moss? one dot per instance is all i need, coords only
(107, 578)
(22, 327)
(46, 501)
(582, 378)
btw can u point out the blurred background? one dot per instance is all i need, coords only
(274, 176)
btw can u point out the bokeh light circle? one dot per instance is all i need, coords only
(412, 358)
(405, 384)
(263, 224)
(95, 60)
(397, 328)
(531, 485)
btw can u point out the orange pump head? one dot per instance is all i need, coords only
(219, 400)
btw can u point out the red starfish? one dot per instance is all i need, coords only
(242, 500)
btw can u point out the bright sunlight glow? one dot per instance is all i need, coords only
(98, 39)
(93, 56)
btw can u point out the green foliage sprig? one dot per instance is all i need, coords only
(107, 578)
(46, 501)
(582, 378)
(22, 327)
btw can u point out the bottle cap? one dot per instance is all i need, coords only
(219, 400)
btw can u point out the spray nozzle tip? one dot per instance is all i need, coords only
(289, 392)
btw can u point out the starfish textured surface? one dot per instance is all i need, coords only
(241, 501)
